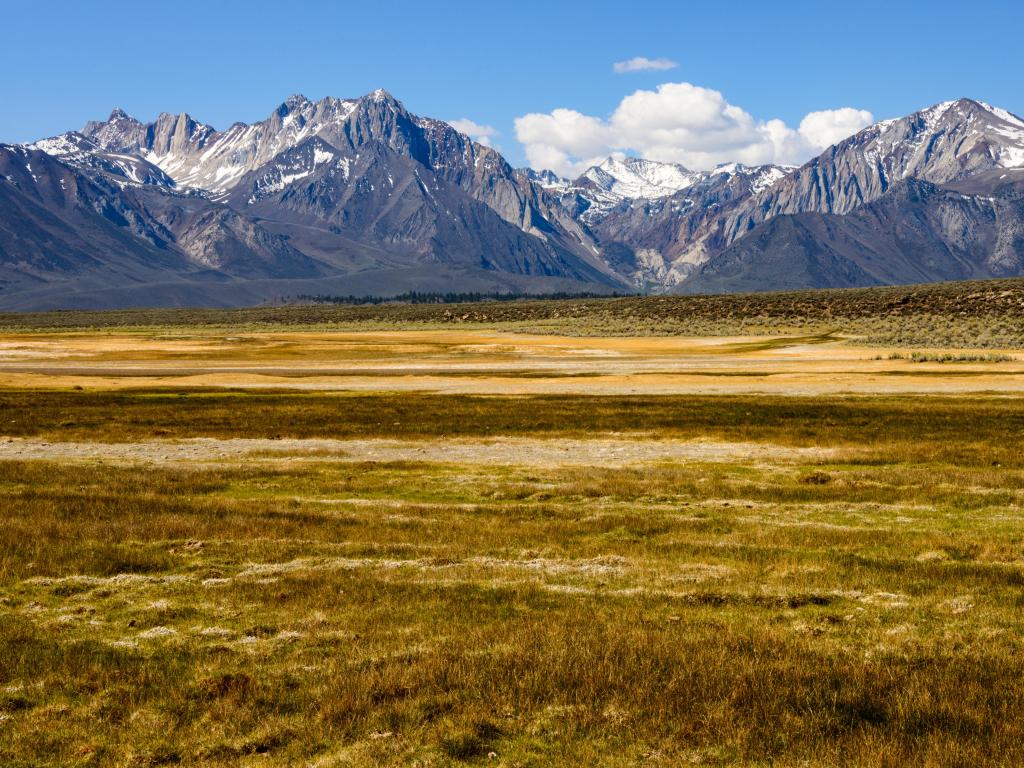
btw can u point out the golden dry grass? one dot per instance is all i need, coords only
(494, 362)
(425, 578)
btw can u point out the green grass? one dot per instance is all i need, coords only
(950, 357)
(979, 315)
(858, 605)
(907, 428)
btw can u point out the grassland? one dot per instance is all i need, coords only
(584, 559)
(982, 314)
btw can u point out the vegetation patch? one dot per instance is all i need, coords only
(978, 314)
(858, 604)
(951, 357)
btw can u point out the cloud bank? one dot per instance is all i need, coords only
(643, 64)
(482, 134)
(681, 123)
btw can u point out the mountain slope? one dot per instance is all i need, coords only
(658, 241)
(944, 143)
(616, 181)
(351, 196)
(63, 232)
(74, 149)
(335, 196)
(55, 220)
(199, 157)
(915, 233)
(381, 198)
(664, 241)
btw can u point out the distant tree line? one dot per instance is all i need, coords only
(429, 297)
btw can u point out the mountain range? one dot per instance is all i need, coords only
(359, 196)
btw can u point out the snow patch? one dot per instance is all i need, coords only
(634, 177)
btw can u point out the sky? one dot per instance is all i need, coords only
(554, 84)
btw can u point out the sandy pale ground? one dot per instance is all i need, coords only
(497, 451)
(486, 362)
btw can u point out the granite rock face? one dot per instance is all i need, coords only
(917, 232)
(942, 144)
(358, 194)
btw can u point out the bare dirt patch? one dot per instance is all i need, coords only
(508, 451)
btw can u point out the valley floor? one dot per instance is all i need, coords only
(485, 361)
(446, 546)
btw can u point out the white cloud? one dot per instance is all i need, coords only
(832, 126)
(564, 140)
(482, 134)
(682, 123)
(643, 64)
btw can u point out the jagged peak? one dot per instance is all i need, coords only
(957, 108)
(68, 143)
(382, 97)
(634, 163)
(962, 108)
(183, 121)
(119, 114)
(380, 100)
(635, 177)
(293, 103)
(175, 117)
(750, 169)
(1000, 114)
(546, 178)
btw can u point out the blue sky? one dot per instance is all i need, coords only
(66, 62)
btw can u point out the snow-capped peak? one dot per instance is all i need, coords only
(77, 150)
(546, 179)
(944, 142)
(1002, 114)
(635, 177)
(67, 144)
(932, 115)
(965, 110)
(199, 157)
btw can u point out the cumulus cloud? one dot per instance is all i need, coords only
(564, 140)
(682, 123)
(643, 64)
(832, 126)
(482, 134)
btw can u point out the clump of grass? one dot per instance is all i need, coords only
(951, 357)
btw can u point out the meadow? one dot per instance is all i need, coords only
(974, 314)
(407, 541)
